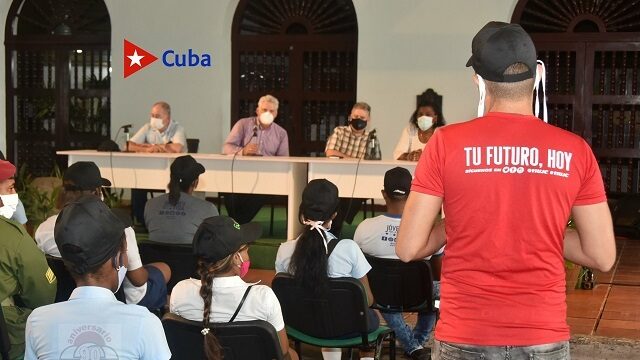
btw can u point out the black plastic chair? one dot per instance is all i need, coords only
(192, 145)
(5, 345)
(401, 287)
(255, 340)
(66, 284)
(179, 257)
(322, 320)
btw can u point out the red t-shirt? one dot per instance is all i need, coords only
(508, 184)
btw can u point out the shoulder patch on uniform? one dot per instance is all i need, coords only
(51, 277)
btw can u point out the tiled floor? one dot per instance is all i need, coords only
(611, 309)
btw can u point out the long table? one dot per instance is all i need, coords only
(246, 174)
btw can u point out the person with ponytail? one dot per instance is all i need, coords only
(317, 255)
(220, 295)
(174, 217)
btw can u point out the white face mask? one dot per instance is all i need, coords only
(122, 272)
(266, 118)
(9, 205)
(541, 77)
(425, 122)
(156, 123)
(483, 92)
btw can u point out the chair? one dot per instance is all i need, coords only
(5, 345)
(255, 340)
(400, 287)
(179, 257)
(192, 145)
(66, 283)
(319, 320)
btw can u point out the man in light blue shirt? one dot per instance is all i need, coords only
(92, 322)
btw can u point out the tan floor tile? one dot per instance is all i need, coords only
(581, 326)
(623, 303)
(619, 328)
(586, 303)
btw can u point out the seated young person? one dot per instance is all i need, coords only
(175, 217)
(377, 237)
(317, 255)
(93, 323)
(221, 246)
(144, 285)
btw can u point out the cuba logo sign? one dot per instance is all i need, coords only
(136, 58)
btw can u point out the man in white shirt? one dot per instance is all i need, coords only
(377, 237)
(144, 285)
(93, 323)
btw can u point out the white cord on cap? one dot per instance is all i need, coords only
(543, 78)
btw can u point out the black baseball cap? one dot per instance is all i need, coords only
(319, 200)
(186, 168)
(83, 175)
(87, 233)
(397, 182)
(220, 236)
(499, 45)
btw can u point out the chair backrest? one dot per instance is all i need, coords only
(399, 286)
(5, 344)
(341, 311)
(192, 145)
(66, 284)
(179, 257)
(256, 340)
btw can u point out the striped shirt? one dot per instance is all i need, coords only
(345, 140)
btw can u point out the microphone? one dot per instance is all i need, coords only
(126, 134)
(255, 131)
(372, 147)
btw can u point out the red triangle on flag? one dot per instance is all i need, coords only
(135, 58)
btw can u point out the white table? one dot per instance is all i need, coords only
(251, 175)
(366, 184)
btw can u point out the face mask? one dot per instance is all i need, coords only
(483, 92)
(266, 118)
(425, 122)
(358, 124)
(122, 272)
(244, 266)
(541, 77)
(9, 205)
(156, 123)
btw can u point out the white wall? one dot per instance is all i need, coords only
(405, 46)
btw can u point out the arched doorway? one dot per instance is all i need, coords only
(58, 66)
(305, 54)
(592, 52)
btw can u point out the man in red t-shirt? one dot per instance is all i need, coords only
(508, 182)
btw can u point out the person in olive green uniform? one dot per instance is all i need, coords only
(26, 281)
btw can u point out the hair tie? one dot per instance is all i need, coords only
(317, 226)
(205, 331)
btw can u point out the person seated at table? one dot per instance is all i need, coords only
(349, 141)
(317, 255)
(144, 285)
(377, 237)
(255, 136)
(220, 295)
(423, 122)
(175, 217)
(160, 135)
(93, 324)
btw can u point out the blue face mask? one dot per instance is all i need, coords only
(425, 122)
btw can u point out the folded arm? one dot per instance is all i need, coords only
(420, 235)
(592, 244)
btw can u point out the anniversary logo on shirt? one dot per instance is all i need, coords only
(89, 342)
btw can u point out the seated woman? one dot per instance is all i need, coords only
(317, 255)
(220, 295)
(424, 121)
(174, 217)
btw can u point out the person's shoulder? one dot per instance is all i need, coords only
(288, 245)
(347, 244)
(185, 285)
(157, 200)
(11, 229)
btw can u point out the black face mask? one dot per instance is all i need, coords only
(358, 124)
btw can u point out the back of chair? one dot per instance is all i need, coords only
(256, 340)
(192, 145)
(399, 286)
(341, 311)
(66, 284)
(179, 257)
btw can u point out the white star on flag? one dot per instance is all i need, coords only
(135, 58)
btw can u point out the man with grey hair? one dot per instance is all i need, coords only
(255, 136)
(508, 182)
(160, 134)
(259, 135)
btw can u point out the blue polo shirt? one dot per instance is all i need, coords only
(93, 322)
